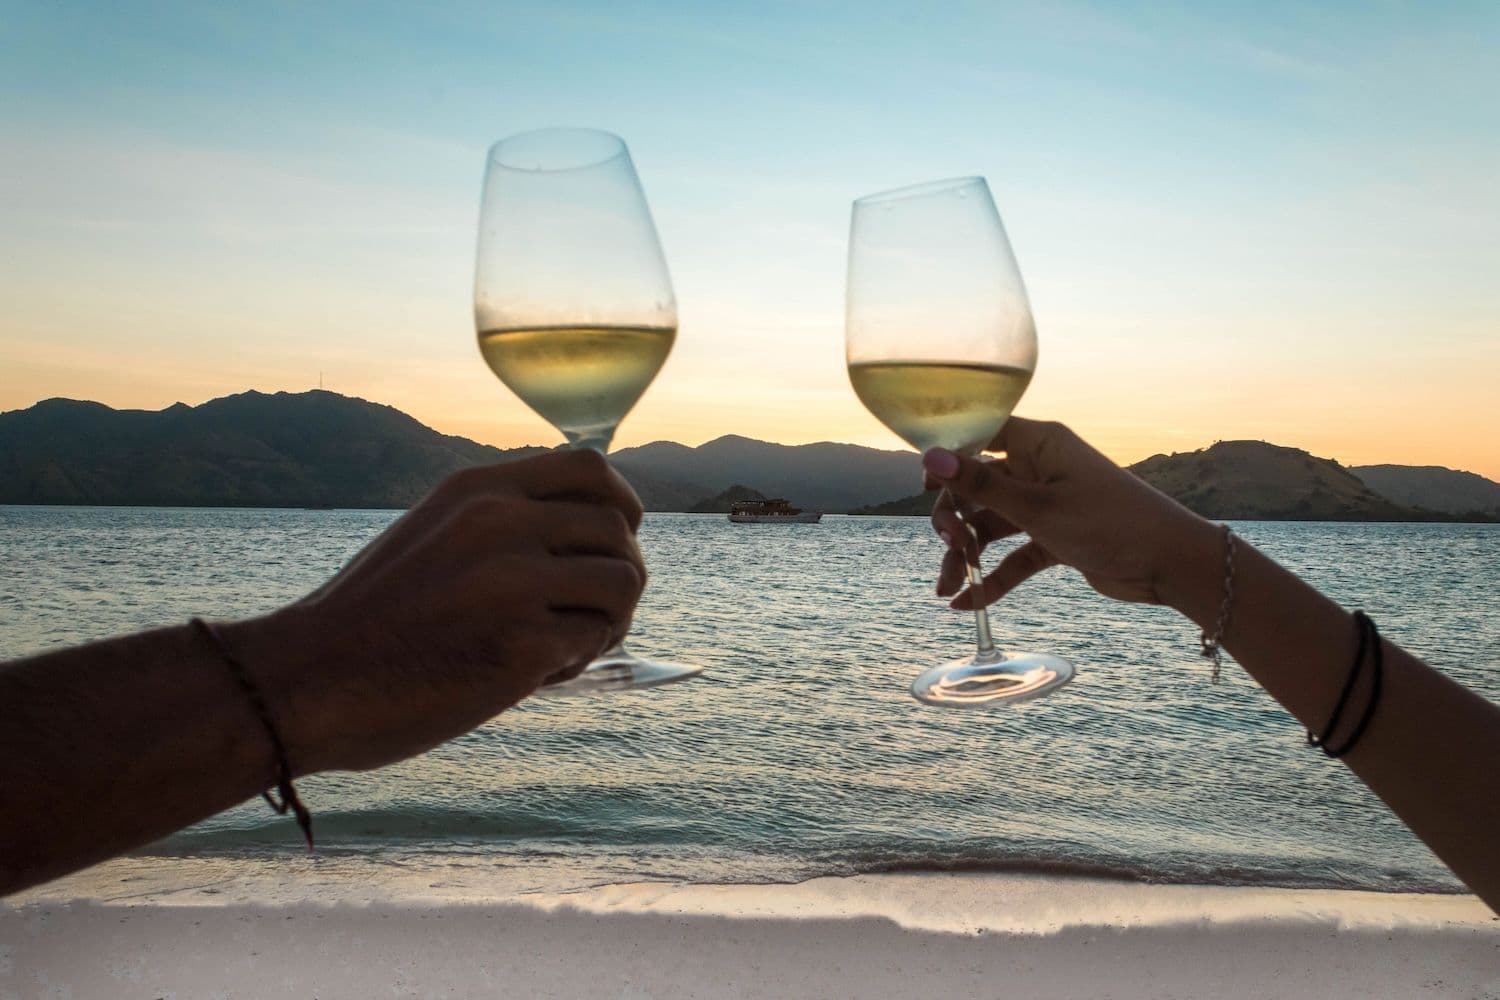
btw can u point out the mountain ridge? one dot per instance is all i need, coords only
(320, 449)
(250, 449)
(1256, 480)
(801, 473)
(1451, 491)
(1233, 480)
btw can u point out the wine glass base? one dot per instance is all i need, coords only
(619, 671)
(986, 679)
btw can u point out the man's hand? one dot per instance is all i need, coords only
(502, 578)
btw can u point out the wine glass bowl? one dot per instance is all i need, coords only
(572, 298)
(941, 345)
(574, 308)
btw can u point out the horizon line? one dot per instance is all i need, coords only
(681, 444)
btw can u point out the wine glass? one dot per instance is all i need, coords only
(941, 345)
(574, 308)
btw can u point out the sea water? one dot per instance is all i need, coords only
(799, 752)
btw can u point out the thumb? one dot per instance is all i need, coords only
(988, 484)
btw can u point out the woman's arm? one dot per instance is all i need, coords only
(502, 578)
(1432, 749)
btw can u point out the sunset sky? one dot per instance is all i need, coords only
(1268, 220)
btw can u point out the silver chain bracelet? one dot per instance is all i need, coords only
(1213, 645)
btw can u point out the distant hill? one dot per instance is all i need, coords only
(825, 476)
(1257, 481)
(918, 505)
(1252, 480)
(1433, 487)
(310, 449)
(321, 449)
(721, 502)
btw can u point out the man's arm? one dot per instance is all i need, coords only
(112, 745)
(503, 578)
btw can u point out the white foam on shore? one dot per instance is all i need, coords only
(936, 902)
(299, 930)
(1023, 904)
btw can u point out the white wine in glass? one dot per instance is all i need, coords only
(930, 404)
(581, 380)
(941, 346)
(574, 309)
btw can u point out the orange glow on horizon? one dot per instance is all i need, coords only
(1400, 414)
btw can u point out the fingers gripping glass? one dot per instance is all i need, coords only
(941, 345)
(574, 308)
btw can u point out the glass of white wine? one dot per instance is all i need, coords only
(574, 308)
(941, 345)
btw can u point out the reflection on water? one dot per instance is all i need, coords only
(800, 750)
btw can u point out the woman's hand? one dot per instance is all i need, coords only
(1129, 541)
(504, 577)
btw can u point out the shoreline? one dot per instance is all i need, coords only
(1468, 518)
(957, 902)
(898, 935)
(277, 876)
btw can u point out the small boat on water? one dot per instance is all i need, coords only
(771, 511)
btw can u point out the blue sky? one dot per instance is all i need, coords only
(1235, 220)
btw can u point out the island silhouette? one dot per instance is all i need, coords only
(321, 449)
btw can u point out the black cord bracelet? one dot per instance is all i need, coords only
(1339, 706)
(284, 787)
(1369, 640)
(1376, 681)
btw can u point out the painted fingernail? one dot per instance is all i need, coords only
(941, 463)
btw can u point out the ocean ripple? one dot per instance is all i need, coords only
(799, 752)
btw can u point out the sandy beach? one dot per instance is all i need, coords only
(143, 928)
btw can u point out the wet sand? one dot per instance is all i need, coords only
(927, 935)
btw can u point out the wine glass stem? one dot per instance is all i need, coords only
(986, 641)
(594, 441)
(976, 587)
(599, 441)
